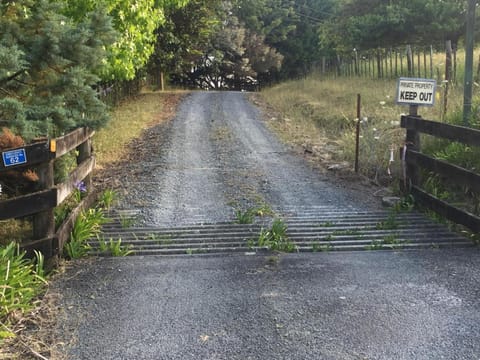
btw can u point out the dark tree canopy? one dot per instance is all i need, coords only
(54, 53)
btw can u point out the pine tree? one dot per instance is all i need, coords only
(48, 67)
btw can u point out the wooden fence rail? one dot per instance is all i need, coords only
(458, 175)
(42, 203)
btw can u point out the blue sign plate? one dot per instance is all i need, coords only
(14, 157)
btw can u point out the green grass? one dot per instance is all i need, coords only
(21, 282)
(320, 113)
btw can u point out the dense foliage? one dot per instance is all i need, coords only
(55, 53)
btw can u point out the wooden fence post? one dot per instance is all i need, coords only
(409, 60)
(413, 142)
(44, 222)
(84, 152)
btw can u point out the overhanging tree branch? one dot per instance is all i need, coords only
(11, 77)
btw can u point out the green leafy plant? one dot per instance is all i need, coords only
(245, 217)
(329, 237)
(407, 203)
(316, 247)
(375, 245)
(326, 224)
(390, 223)
(263, 210)
(276, 238)
(248, 216)
(126, 222)
(391, 239)
(160, 239)
(21, 281)
(114, 248)
(107, 199)
(86, 226)
(436, 187)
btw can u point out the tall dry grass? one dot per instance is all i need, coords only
(128, 120)
(319, 113)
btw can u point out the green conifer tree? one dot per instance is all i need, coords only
(48, 67)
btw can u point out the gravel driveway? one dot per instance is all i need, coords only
(215, 157)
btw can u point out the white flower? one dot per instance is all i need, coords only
(382, 103)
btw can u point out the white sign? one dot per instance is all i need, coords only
(412, 91)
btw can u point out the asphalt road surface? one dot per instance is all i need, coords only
(217, 155)
(362, 305)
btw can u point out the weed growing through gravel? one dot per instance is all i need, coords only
(326, 224)
(392, 240)
(245, 217)
(107, 199)
(374, 245)
(248, 216)
(390, 223)
(276, 238)
(316, 247)
(114, 248)
(126, 222)
(160, 239)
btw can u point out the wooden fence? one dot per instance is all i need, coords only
(42, 203)
(415, 160)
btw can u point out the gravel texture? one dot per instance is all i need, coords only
(214, 157)
(217, 156)
(368, 305)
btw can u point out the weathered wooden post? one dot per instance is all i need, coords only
(44, 222)
(409, 60)
(412, 142)
(84, 152)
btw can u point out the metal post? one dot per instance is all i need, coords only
(357, 137)
(469, 44)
